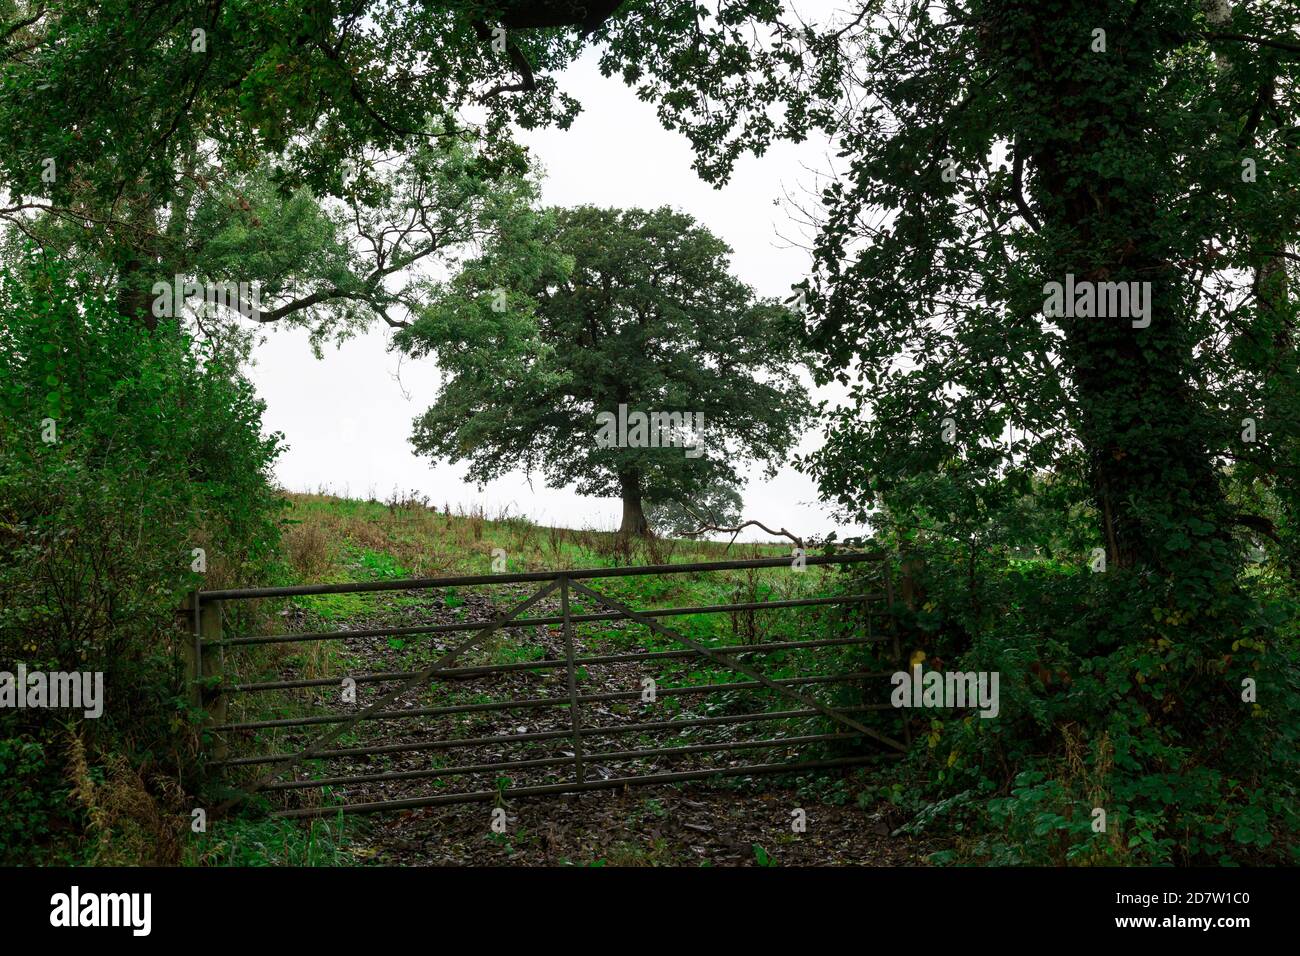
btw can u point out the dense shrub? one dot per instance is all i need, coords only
(1119, 690)
(122, 451)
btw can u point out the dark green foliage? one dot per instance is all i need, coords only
(1008, 152)
(1108, 700)
(122, 93)
(37, 815)
(157, 450)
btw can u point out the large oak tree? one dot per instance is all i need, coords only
(577, 312)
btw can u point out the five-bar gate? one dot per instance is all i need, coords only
(581, 725)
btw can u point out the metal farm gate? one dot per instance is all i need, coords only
(575, 743)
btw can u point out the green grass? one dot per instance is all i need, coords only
(342, 540)
(238, 842)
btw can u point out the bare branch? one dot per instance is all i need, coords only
(734, 532)
(1017, 194)
(1261, 41)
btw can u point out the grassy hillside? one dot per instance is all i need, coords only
(328, 533)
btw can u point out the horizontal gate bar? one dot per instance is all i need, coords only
(529, 703)
(535, 621)
(590, 731)
(611, 757)
(474, 671)
(612, 783)
(530, 577)
(424, 774)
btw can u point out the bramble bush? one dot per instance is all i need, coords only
(1119, 690)
(123, 450)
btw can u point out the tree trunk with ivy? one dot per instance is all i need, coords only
(1101, 183)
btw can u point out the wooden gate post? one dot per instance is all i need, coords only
(200, 662)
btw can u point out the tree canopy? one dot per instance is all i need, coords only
(1020, 145)
(576, 313)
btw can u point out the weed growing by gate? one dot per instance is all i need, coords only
(270, 842)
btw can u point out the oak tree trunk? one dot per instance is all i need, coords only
(634, 522)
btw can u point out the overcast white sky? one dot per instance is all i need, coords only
(347, 418)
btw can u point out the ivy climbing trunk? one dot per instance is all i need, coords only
(1099, 184)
